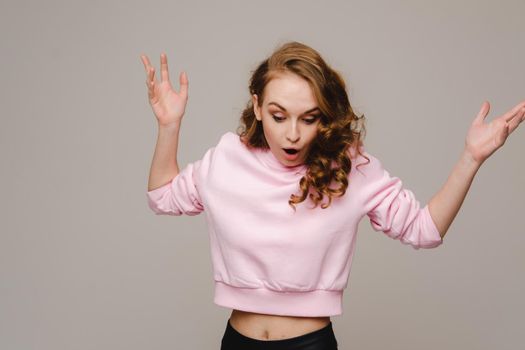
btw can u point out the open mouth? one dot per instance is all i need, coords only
(290, 150)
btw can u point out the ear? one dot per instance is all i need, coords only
(256, 109)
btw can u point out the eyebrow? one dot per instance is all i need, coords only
(284, 109)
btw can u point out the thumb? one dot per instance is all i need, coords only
(485, 107)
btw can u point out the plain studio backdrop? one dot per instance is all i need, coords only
(85, 264)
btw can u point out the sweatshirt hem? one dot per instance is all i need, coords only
(312, 303)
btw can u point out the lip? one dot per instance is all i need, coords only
(291, 157)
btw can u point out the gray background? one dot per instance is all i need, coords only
(84, 263)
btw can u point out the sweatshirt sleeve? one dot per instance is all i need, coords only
(395, 210)
(182, 195)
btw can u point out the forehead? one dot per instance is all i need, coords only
(289, 89)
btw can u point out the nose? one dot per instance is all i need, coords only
(292, 134)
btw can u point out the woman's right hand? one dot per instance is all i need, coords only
(168, 105)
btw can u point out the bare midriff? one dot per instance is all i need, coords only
(274, 327)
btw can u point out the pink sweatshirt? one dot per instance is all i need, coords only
(266, 257)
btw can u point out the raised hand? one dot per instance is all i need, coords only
(167, 104)
(483, 139)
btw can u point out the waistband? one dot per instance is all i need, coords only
(319, 339)
(313, 303)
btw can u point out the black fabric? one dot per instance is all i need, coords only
(321, 339)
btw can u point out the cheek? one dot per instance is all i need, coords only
(269, 134)
(312, 134)
(311, 137)
(271, 131)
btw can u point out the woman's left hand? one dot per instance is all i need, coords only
(483, 139)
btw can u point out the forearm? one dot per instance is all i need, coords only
(445, 204)
(164, 165)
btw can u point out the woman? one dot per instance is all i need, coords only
(280, 266)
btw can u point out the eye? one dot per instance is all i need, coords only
(307, 121)
(311, 120)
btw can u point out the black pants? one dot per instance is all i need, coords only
(321, 339)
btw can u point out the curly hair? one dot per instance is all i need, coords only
(339, 129)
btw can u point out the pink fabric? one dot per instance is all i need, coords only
(266, 257)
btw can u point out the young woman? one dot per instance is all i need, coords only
(283, 197)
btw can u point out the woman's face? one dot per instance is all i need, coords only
(289, 116)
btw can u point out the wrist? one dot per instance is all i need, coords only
(173, 126)
(469, 160)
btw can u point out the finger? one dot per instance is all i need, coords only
(151, 82)
(513, 124)
(150, 71)
(151, 91)
(151, 85)
(151, 75)
(183, 79)
(514, 111)
(164, 75)
(485, 107)
(145, 62)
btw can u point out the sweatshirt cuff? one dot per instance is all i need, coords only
(154, 196)
(433, 239)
